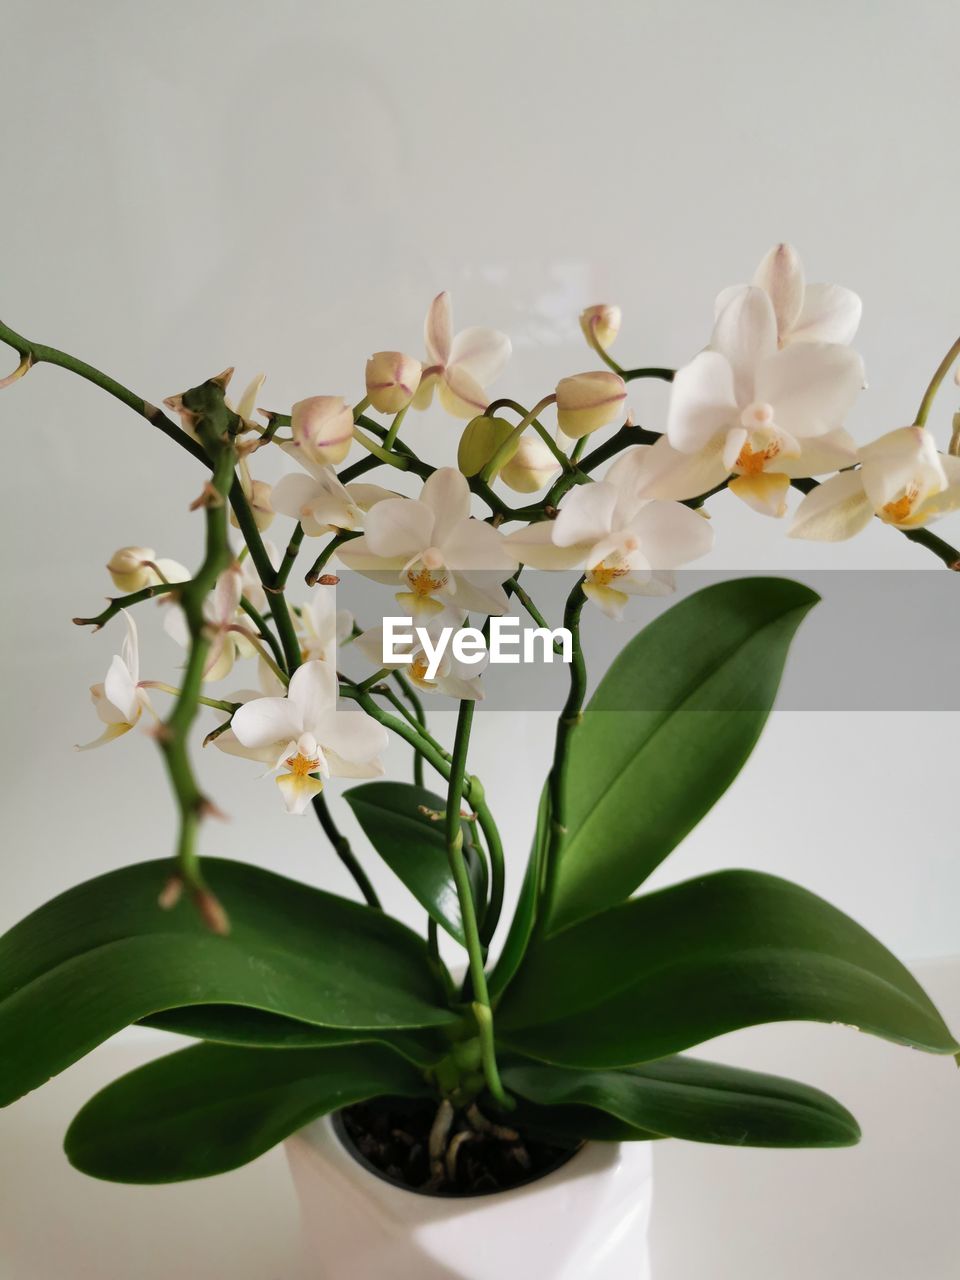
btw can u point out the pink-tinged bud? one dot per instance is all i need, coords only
(392, 380)
(133, 568)
(532, 467)
(322, 428)
(587, 401)
(600, 325)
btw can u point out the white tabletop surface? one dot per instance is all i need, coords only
(884, 1210)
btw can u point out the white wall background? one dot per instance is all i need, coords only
(284, 186)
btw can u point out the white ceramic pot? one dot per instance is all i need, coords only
(585, 1221)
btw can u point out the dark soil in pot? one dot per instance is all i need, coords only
(391, 1138)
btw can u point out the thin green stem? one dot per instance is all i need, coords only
(124, 602)
(289, 557)
(505, 402)
(320, 563)
(216, 703)
(567, 722)
(344, 852)
(604, 355)
(453, 830)
(262, 626)
(395, 425)
(505, 452)
(513, 587)
(664, 375)
(398, 460)
(943, 368)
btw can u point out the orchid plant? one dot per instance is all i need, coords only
(575, 1021)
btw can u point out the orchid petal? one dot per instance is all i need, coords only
(820, 456)
(438, 329)
(670, 534)
(830, 313)
(586, 514)
(354, 737)
(534, 546)
(313, 691)
(666, 473)
(447, 494)
(901, 460)
(811, 386)
(298, 790)
(115, 730)
(834, 511)
(266, 722)
(473, 544)
(609, 600)
(398, 528)
(766, 491)
(130, 647)
(702, 402)
(480, 352)
(120, 688)
(460, 393)
(746, 334)
(780, 275)
(479, 592)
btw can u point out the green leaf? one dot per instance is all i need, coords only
(525, 913)
(251, 1028)
(668, 729)
(672, 969)
(700, 1101)
(412, 844)
(210, 1108)
(104, 955)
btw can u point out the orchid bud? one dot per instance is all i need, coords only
(532, 466)
(600, 325)
(133, 568)
(322, 428)
(481, 439)
(258, 496)
(392, 379)
(587, 401)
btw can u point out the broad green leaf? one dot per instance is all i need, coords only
(210, 1108)
(525, 913)
(397, 819)
(672, 969)
(668, 729)
(250, 1028)
(699, 1101)
(104, 955)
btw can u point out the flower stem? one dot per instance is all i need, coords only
(504, 453)
(391, 436)
(124, 602)
(320, 563)
(943, 368)
(217, 705)
(341, 846)
(260, 623)
(458, 867)
(665, 375)
(567, 722)
(506, 403)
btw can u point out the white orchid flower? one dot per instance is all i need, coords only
(220, 621)
(804, 312)
(320, 502)
(120, 701)
(308, 733)
(746, 408)
(626, 544)
(434, 548)
(460, 366)
(133, 568)
(902, 480)
(321, 626)
(454, 678)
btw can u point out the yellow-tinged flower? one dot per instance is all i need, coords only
(133, 568)
(392, 378)
(322, 429)
(588, 401)
(600, 325)
(531, 467)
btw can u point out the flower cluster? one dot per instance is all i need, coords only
(761, 409)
